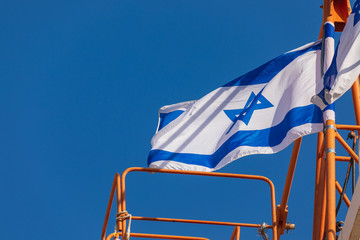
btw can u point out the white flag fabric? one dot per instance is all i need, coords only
(345, 66)
(328, 44)
(328, 48)
(261, 112)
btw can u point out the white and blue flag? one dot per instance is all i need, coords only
(260, 112)
(345, 66)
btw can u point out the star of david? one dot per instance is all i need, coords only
(356, 11)
(255, 102)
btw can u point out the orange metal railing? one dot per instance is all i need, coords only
(119, 187)
(159, 236)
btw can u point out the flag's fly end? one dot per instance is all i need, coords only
(345, 65)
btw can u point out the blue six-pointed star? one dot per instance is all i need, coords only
(255, 102)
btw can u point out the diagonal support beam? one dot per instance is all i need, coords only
(347, 147)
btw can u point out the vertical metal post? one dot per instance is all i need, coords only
(355, 91)
(330, 180)
(320, 203)
(319, 189)
(324, 202)
(121, 202)
(115, 187)
(237, 233)
(290, 174)
(282, 209)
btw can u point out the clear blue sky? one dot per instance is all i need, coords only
(81, 84)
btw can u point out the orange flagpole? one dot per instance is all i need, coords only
(330, 152)
(324, 222)
(330, 181)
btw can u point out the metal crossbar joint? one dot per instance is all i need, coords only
(330, 126)
(262, 230)
(329, 150)
(122, 216)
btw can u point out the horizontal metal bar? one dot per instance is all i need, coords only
(160, 236)
(199, 222)
(342, 158)
(347, 127)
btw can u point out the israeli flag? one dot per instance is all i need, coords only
(261, 112)
(345, 66)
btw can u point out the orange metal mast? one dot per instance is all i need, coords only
(324, 222)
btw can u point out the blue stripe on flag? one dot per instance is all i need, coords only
(330, 107)
(269, 137)
(166, 118)
(331, 72)
(329, 30)
(267, 71)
